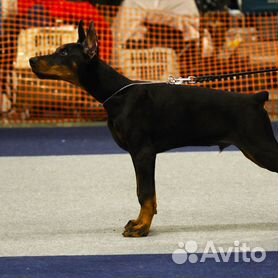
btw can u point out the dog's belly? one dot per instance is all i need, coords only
(175, 134)
(168, 143)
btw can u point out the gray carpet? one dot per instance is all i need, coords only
(79, 204)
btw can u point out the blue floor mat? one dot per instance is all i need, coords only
(134, 266)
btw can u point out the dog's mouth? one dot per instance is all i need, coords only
(43, 75)
(55, 72)
(40, 74)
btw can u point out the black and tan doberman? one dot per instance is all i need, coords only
(146, 119)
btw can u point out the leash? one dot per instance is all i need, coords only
(194, 79)
(204, 78)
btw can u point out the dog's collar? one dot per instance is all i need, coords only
(124, 87)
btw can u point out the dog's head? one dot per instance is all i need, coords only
(66, 62)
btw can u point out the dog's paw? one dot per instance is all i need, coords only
(133, 229)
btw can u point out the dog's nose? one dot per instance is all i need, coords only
(33, 61)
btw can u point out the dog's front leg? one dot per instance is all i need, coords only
(144, 164)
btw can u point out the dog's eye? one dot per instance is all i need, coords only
(63, 52)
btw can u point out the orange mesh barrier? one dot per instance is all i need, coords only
(141, 44)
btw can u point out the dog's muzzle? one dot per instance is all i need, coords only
(33, 62)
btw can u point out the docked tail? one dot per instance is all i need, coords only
(261, 97)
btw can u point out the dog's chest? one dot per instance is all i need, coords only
(118, 135)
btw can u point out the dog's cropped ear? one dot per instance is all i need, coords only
(92, 41)
(81, 32)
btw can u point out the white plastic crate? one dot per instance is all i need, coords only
(41, 41)
(261, 53)
(153, 64)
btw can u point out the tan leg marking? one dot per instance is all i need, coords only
(141, 226)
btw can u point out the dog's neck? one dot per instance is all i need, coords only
(100, 80)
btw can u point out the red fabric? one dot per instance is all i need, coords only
(73, 12)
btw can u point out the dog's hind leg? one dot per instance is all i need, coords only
(144, 164)
(259, 144)
(264, 156)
